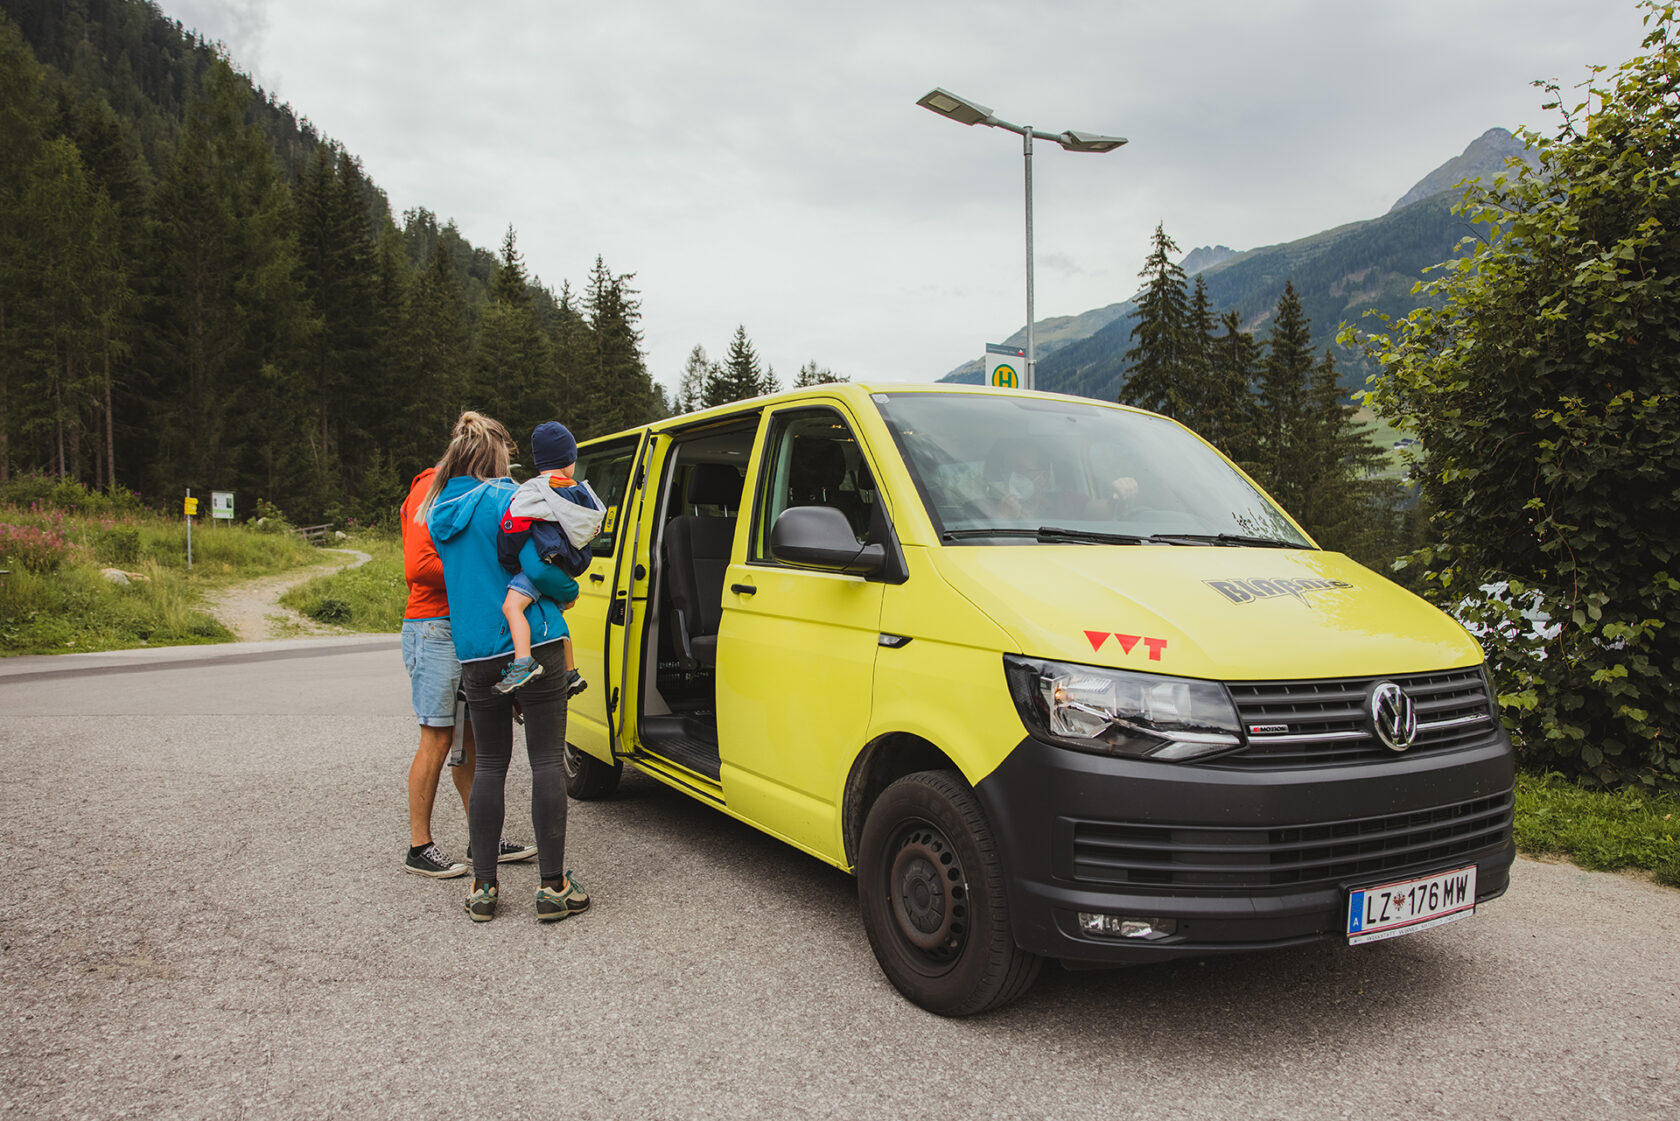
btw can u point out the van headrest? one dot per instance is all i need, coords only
(714, 484)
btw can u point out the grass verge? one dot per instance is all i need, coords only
(114, 576)
(368, 598)
(1605, 831)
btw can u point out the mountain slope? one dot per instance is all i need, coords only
(1339, 275)
(1050, 336)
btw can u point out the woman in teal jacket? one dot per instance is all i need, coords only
(463, 511)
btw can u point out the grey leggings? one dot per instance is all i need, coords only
(544, 704)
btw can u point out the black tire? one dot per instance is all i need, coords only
(930, 886)
(587, 778)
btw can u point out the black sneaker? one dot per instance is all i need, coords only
(575, 683)
(508, 852)
(481, 904)
(431, 861)
(552, 905)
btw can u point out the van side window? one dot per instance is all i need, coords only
(812, 459)
(607, 471)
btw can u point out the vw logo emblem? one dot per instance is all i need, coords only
(1394, 716)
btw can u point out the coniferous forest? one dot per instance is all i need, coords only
(198, 290)
(1280, 412)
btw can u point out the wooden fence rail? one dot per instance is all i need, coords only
(315, 534)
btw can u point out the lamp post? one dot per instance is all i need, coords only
(966, 112)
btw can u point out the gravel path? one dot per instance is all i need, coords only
(252, 610)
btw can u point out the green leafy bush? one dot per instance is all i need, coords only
(1544, 380)
(270, 519)
(45, 492)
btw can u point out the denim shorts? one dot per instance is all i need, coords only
(434, 673)
(521, 583)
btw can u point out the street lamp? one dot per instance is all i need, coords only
(966, 112)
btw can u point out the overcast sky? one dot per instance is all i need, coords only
(764, 162)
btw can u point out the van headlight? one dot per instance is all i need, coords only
(1116, 712)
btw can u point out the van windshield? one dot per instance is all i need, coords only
(995, 469)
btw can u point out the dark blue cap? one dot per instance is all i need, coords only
(552, 446)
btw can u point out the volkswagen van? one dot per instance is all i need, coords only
(1051, 677)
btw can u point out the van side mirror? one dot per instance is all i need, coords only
(821, 537)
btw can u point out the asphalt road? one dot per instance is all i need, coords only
(204, 916)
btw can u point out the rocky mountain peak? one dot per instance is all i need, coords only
(1484, 158)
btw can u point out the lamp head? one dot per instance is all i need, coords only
(959, 109)
(1089, 142)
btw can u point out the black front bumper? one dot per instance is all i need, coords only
(1239, 858)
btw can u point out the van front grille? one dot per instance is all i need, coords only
(1237, 860)
(1313, 723)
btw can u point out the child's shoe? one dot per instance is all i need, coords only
(575, 683)
(519, 673)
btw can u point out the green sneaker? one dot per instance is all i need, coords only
(518, 673)
(481, 904)
(552, 906)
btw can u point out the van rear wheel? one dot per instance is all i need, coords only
(587, 778)
(930, 886)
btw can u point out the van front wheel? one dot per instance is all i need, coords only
(931, 889)
(587, 778)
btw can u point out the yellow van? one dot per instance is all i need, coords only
(1052, 678)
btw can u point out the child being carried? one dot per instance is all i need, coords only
(560, 515)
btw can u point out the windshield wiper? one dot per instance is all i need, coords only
(1058, 535)
(1048, 534)
(1223, 539)
(1052, 534)
(996, 531)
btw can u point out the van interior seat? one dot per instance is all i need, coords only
(818, 479)
(696, 551)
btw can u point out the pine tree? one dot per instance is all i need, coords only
(111, 159)
(227, 317)
(1345, 507)
(622, 391)
(1198, 408)
(337, 271)
(574, 364)
(434, 358)
(1289, 428)
(22, 118)
(512, 366)
(691, 389)
(80, 287)
(811, 374)
(1163, 347)
(1231, 416)
(739, 377)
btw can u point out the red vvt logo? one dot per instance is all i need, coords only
(1127, 642)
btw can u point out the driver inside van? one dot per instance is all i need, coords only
(1021, 483)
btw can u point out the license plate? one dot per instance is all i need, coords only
(1390, 910)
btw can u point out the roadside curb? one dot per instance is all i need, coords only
(103, 662)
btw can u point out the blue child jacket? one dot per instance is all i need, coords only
(465, 521)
